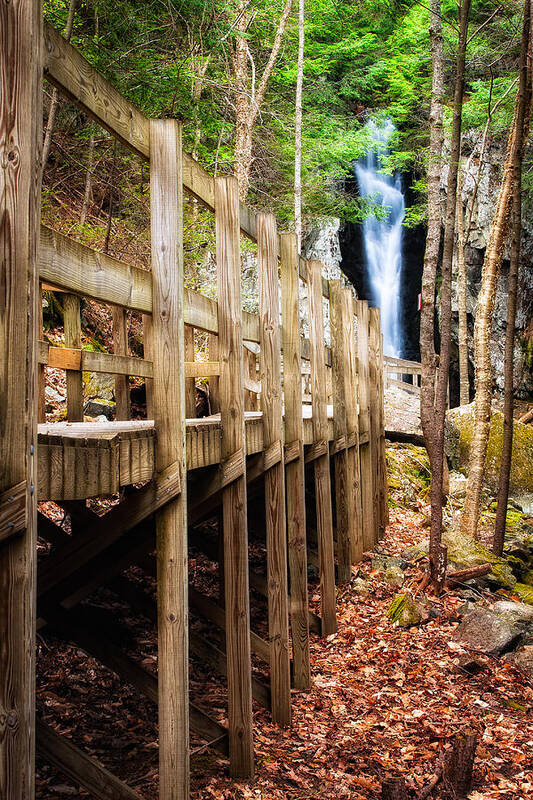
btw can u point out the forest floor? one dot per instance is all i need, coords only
(384, 701)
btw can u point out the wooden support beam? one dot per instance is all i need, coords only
(234, 495)
(214, 392)
(166, 220)
(345, 488)
(79, 767)
(321, 463)
(352, 422)
(148, 351)
(120, 347)
(20, 191)
(72, 323)
(383, 485)
(373, 353)
(365, 452)
(190, 399)
(294, 469)
(276, 531)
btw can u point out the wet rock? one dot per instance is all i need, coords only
(405, 611)
(488, 632)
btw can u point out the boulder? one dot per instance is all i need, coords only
(459, 433)
(99, 408)
(522, 658)
(390, 568)
(514, 612)
(488, 632)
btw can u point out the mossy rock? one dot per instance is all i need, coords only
(459, 435)
(524, 592)
(404, 610)
(465, 552)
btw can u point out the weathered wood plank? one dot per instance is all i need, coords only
(214, 393)
(373, 346)
(190, 399)
(72, 323)
(321, 464)
(271, 407)
(365, 452)
(166, 219)
(231, 385)
(294, 470)
(79, 767)
(20, 189)
(343, 462)
(120, 347)
(352, 423)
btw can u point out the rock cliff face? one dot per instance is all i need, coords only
(484, 205)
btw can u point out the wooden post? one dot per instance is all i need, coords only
(72, 324)
(352, 422)
(361, 310)
(166, 213)
(190, 399)
(276, 532)
(120, 347)
(148, 355)
(20, 191)
(459, 765)
(383, 485)
(214, 394)
(41, 373)
(344, 473)
(394, 789)
(295, 469)
(373, 347)
(233, 468)
(321, 462)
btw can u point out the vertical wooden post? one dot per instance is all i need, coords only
(20, 190)
(233, 467)
(295, 470)
(321, 462)
(383, 488)
(373, 346)
(352, 422)
(361, 310)
(214, 395)
(120, 347)
(276, 532)
(72, 323)
(148, 355)
(166, 207)
(190, 399)
(41, 374)
(344, 473)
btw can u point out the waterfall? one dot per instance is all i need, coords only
(382, 235)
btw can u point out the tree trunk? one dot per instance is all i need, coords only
(433, 416)
(54, 101)
(464, 383)
(394, 789)
(485, 308)
(298, 128)
(459, 765)
(514, 265)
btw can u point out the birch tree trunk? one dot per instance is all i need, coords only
(298, 128)
(464, 382)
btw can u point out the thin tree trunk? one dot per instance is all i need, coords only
(54, 101)
(437, 416)
(464, 382)
(514, 266)
(88, 183)
(485, 308)
(431, 255)
(248, 101)
(298, 128)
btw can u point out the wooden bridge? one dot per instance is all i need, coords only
(319, 467)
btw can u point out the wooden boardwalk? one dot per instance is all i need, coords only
(319, 466)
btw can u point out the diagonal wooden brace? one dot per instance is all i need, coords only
(13, 511)
(232, 468)
(293, 450)
(273, 455)
(317, 449)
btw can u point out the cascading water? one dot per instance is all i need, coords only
(382, 235)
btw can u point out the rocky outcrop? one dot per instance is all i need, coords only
(459, 434)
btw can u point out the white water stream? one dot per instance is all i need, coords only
(382, 235)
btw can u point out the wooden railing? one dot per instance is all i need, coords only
(260, 372)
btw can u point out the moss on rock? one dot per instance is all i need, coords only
(459, 434)
(404, 610)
